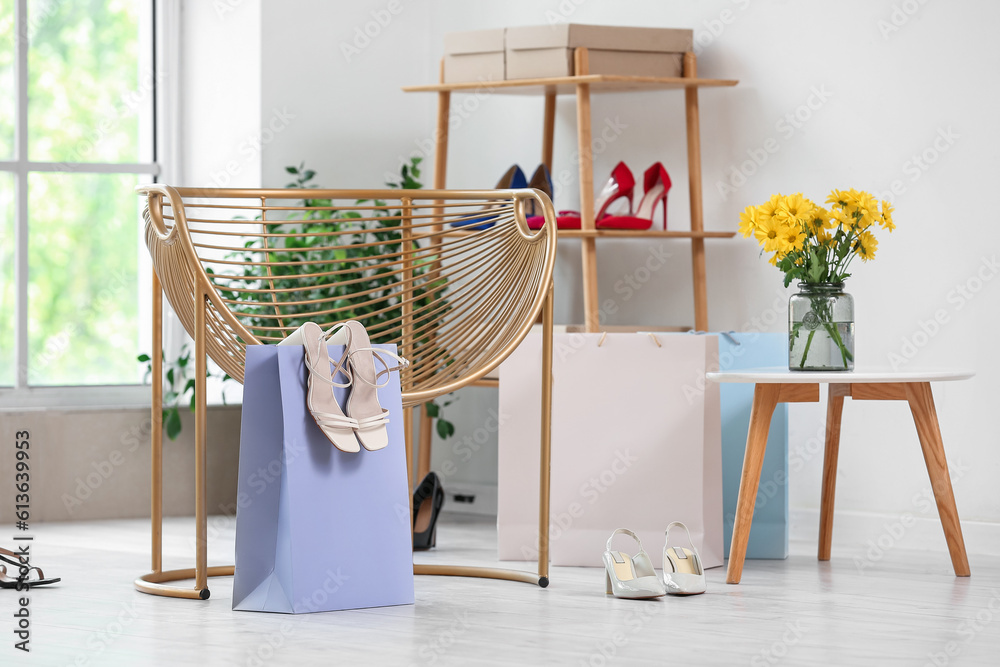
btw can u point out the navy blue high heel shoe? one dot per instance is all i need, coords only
(512, 180)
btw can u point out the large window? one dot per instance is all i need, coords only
(77, 100)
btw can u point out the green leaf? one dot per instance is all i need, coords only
(170, 376)
(445, 429)
(143, 358)
(189, 385)
(433, 410)
(292, 170)
(173, 423)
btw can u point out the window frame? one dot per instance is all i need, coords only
(23, 395)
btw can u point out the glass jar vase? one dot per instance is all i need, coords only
(821, 328)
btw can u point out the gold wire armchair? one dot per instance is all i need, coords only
(455, 278)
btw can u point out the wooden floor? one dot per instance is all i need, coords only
(905, 609)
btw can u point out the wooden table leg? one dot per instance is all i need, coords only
(921, 401)
(765, 398)
(834, 409)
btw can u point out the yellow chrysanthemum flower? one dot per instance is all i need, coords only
(768, 208)
(820, 220)
(866, 246)
(887, 222)
(794, 208)
(842, 219)
(768, 234)
(793, 237)
(837, 198)
(749, 221)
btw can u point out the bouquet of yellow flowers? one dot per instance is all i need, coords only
(814, 244)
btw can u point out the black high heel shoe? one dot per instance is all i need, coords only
(20, 570)
(428, 498)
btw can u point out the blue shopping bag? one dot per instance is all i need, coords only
(317, 529)
(769, 530)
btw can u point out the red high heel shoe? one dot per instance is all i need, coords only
(620, 184)
(656, 182)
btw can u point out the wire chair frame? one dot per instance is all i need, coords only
(456, 279)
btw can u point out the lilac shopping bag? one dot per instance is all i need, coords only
(317, 529)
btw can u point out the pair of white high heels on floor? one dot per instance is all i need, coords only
(362, 421)
(633, 577)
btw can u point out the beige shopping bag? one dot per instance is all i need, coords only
(636, 443)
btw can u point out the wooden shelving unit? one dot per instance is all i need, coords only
(583, 85)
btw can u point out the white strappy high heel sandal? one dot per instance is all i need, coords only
(363, 405)
(682, 570)
(338, 428)
(630, 577)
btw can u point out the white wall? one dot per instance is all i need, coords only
(220, 121)
(886, 87)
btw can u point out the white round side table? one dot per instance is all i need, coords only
(780, 385)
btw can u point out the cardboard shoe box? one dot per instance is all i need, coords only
(547, 51)
(476, 55)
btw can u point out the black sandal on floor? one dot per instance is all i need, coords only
(428, 498)
(21, 582)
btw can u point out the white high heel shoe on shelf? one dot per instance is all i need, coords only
(631, 577)
(682, 570)
(338, 428)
